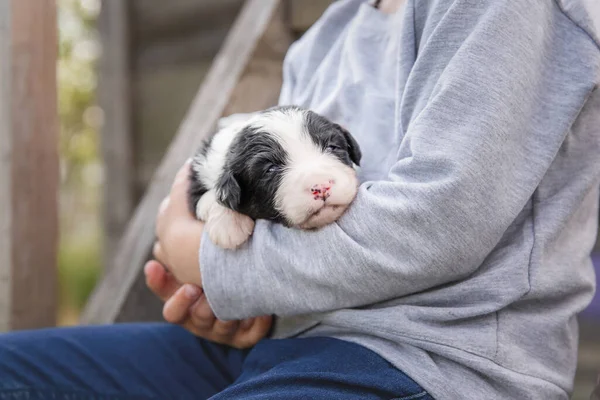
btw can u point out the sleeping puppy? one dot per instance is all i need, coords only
(286, 164)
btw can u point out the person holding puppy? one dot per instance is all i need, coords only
(456, 273)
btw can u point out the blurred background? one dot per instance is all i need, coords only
(169, 48)
(81, 170)
(164, 49)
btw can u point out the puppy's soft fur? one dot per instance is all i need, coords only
(285, 164)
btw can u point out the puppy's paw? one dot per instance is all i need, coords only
(229, 229)
(205, 205)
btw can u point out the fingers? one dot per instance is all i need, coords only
(224, 330)
(203, 322)
(246, 324)
(188, 306)
(258, 329)
(202, 317)
(264, 323)
(176, 308)
(159, 281)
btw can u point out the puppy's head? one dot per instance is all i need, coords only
(291, 166)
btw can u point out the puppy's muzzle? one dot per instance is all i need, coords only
(322, 191)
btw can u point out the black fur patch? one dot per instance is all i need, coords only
(256, 163)
(333, 138)
(197, 188)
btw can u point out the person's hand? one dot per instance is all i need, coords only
(178, 233)
(176, 251)
(186, 305)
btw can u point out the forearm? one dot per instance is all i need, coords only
(398, 237)
(470, 159)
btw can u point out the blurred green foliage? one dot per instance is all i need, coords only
(81, 171)
(79, 269)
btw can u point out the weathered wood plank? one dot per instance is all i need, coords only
(115, 99)
(159, 20)
(304, 13)
(29, 164)
(259, 37)
(161, 99)
(185, 50)
(5, 170)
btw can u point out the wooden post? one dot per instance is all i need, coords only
(115, 100)
(245, 76)
(5, 173)
(28, 164)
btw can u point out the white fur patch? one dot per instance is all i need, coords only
(308, 165)
(226, 228)
(210, 167)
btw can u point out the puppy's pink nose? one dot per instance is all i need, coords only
(322, 191)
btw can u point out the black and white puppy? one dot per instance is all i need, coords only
(285, 164)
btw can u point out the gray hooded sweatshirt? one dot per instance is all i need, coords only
(464, 259)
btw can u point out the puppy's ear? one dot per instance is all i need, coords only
(353, 147)
(228, 191)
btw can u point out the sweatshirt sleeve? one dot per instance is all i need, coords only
(498, 110)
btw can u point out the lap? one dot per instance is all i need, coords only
(319, 368)
(123, 361)
(161, 361)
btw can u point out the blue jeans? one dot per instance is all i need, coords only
(160, 361)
